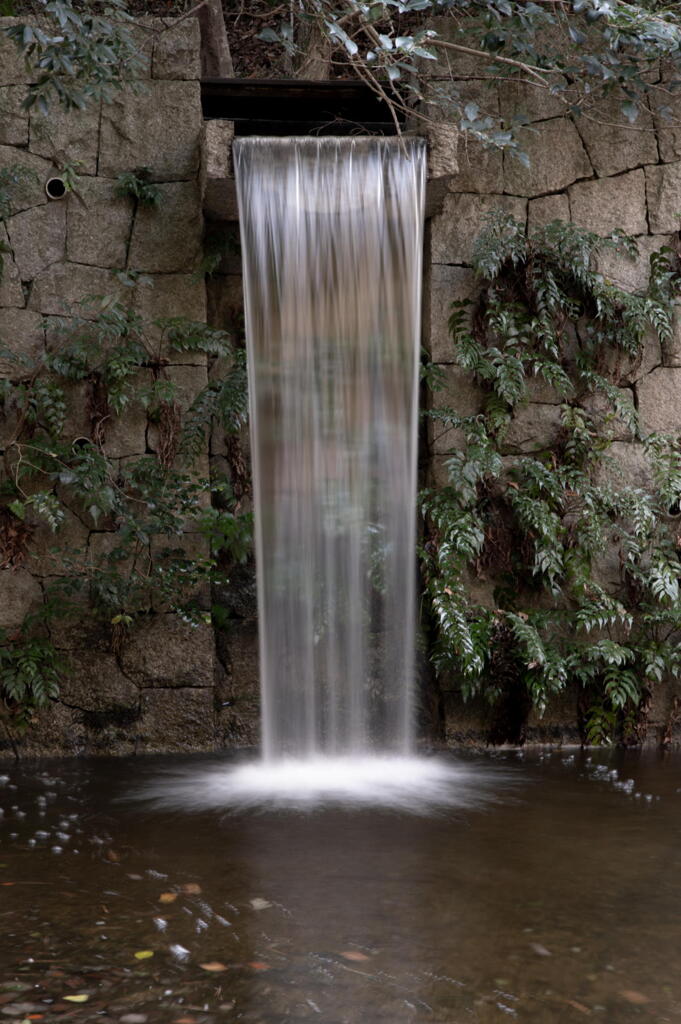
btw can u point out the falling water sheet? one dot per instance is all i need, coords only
(332, 233)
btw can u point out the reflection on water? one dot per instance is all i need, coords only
(559, 904)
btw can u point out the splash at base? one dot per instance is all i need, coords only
(415, 785)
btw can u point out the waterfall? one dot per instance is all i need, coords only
(332, 232)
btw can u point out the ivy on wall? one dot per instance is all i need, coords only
(537, 527)
(102, 367)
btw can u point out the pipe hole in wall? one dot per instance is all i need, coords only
(55, 188)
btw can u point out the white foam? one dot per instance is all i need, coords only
(418, 785)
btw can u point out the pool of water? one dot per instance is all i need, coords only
(554, 897)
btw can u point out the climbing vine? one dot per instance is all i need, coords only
(551, 569)
(104, 368)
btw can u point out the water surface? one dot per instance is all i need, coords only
(558, 901)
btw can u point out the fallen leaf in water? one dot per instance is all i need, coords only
(167, 897)
(82, 998)
(112, 856)
(260, 904)
(258, 965)
(6, 883)
(185, 1020)
(577, 1006)
(631, 996)
(539, 949)
(213, 965)
(191, 888)
(352, 954)
(35, 1016)
(144, 954)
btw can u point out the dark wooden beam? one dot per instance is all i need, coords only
(296, 106)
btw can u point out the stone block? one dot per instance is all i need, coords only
(172, 295)
(71, 132)
(658, 400)
(49, 548)
(532, 100)
(94, 682)
(671, 350)
(21, 594)
(176, 720)
(159, 128)
(188, 381)
(11, 292)
(56, 731)
(99, 224)
(443, 145)
(481, 168)
(61, 287)
(625, 464)
(608, 423)
(167, 238)
(454, 231)
(31, 190)
(177, 51)
(21, 331)
(226, 303)
(663, 187)
(623, 370)
(543, 211)
(557, 159)
(613, 144)
(627, 274)
(535, 427)
(218, 136)
(461, 394)
(38, 238)
(164, 651)
(77, 630)
(13, 69)
(126, 435)
(668, 128)
(607, 204)
(13, 118)
(445, 286)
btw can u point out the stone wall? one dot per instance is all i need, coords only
(601, 176)
(164, 687)
(172, 686)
